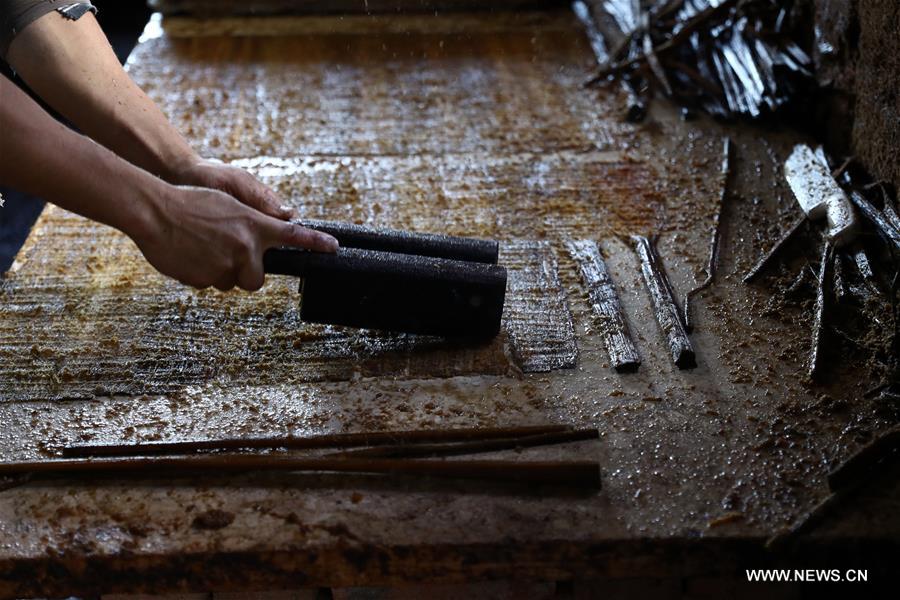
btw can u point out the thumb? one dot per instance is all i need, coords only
(285, 233)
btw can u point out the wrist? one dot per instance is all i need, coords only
(183, 170)
(146, 208)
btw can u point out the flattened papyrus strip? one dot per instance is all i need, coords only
(537, 316)
(668, 315)
(605, 304)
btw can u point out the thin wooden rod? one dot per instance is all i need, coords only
(331, 440)
(474, 447)
(776, 249)
(823, 291)
(582, 474)
(712, 265)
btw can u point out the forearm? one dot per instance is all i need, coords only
(71, 66)
(42, 157)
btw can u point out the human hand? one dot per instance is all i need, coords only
(204, 237)
(235, 182)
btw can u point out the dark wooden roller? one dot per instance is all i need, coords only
(350, 235)
(389, 285)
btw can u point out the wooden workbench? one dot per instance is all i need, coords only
(468, 124)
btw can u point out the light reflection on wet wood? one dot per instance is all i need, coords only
(717, 431)
(464, 133)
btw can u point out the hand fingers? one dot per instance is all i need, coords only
(251, 276)
(224, 283)
(283, 233)
(248, 276)
(252, 192)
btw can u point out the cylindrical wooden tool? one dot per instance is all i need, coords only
(350, 235)
(395, 292)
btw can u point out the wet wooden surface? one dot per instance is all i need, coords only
(209, 8)
(464, 125)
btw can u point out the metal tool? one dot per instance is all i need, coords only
(821, 198)
(398, 281)
(712, 265)
(881, 221)
(819, 195)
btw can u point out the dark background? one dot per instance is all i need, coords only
(123, 21)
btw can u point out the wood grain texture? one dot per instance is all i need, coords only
(465, 124)
(221, 8)
(503, 87)
(482, 194)
(343, 130)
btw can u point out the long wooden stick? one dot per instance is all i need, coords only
(823, 291)
(885, 228)
(584, 474)
(776, 249)
(456, 449)
(331, 440)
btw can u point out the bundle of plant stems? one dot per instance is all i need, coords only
(725, 57)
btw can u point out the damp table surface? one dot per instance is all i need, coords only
(463, 124)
